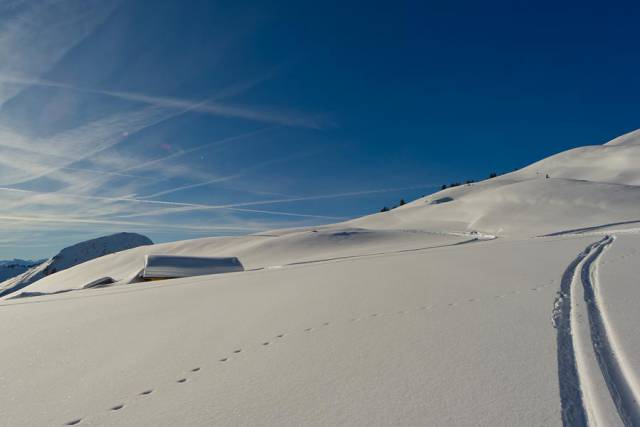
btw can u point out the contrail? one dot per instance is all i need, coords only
(229, 177)
(71, 220)
(226, 206)
(209, 106)
(185, 207)
(200, 147)
(196, 185)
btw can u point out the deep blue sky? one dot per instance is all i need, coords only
(325, 98)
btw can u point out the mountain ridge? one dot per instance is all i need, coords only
(71, 256)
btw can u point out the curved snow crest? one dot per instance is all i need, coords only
(72, 256)
(94, 248)
(631, 138)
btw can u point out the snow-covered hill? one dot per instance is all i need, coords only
(512, 301)
(71, 256)
(592, 186)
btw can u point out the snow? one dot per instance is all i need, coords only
(71, 256)
(631, 138)
(512, 303)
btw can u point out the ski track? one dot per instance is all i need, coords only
(619, 387)
(183, 378)
(573, 412)
(574, 407)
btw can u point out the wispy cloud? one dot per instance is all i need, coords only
(77, 157)
(48, 155)
(241, 172)
(230, 206)
(200, 147)
(78, 220)
(210, 106)
(35, 35)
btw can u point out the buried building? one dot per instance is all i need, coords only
(159, 267)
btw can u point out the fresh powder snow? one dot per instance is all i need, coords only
(511, 301)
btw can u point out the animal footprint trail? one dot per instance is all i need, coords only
(280, 336)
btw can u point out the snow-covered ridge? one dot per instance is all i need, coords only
(631, 138)
(585, 187)
(74, 255)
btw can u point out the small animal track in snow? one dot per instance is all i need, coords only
(325, 324)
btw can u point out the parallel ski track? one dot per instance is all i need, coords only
(573, 405)
(619, 387)
(573, 411)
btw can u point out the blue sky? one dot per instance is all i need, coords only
(188, 119)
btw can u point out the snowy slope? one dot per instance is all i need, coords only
(417, 316)
(266, 251)
(587, 187)
(74, 255)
